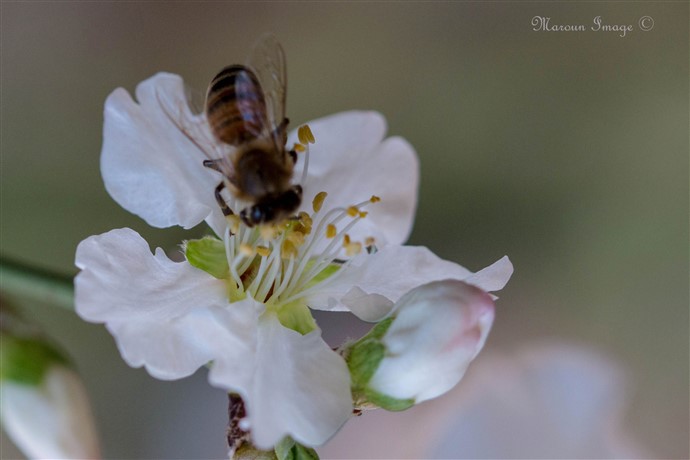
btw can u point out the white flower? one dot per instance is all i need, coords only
(51, 419)
(543, 401)
(241, 302)
(540, 401)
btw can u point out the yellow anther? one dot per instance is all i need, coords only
(318, 201)
(301, 228)
(305, 135)
(268, 232)
(288, 250)
(246, 250)
(363, 214)
(263, 251)
(352, 211)
(346, 240)
(297, 238)
(352, 249)
(331, 231)
(299, 148)
(369, 241)
(374, 199)
(305, 219)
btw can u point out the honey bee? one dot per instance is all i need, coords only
(245, 109)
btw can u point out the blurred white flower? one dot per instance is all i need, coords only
(243, 301)
(545, 401)
(44, 407)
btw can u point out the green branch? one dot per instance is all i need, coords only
(27, 282)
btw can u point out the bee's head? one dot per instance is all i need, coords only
(272, 207)
(257, 214)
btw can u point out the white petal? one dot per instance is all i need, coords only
(351, 161)
(52, 420)
(156, 309)
(148, 165)
(299, 386)
(121, 279)
(373, 283)
(438, 330)
(494, 277)
(175, 348)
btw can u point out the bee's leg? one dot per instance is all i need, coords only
(297, 191)
(281, 131)
(216, 165)
(213, 164)
(221, 201)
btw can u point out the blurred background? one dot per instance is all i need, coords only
(567, 151)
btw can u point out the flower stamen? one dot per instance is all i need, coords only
(278, 263)
(318, 200)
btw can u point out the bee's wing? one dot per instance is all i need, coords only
(195, 99)
(267, 60)
(187, 115)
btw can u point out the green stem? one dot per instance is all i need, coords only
(27, 282)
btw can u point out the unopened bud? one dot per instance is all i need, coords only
(424, 348)
(43, 403)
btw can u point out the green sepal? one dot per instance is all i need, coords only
(208, 254)
(26, 361)
(248, 452)
(363, 360)
(289, 449)
(387, 402)
(296, 316)
(364, 356)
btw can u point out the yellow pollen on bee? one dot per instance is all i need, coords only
(331, 231)
(318, 201)
(299, 148)
(369, 241)
(352, 249)
(374, 199)
(363, 214)
(263, 251)
(288, 250)
(234, 223)
(246, 250)
(352, 211)
(305, 135)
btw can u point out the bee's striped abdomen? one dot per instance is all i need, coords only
(235, 105)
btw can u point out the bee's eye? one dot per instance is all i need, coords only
(257, 214)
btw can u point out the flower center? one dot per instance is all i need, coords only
(278, 264)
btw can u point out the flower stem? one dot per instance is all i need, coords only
(236, 412)
(24, 281)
